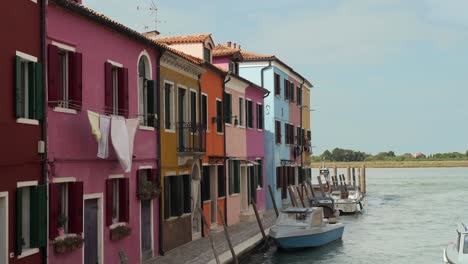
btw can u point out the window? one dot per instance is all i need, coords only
(227, 108)
(219, 116)
(234, 67)
(169, 106)
(259, 116)
(260, 173)
(309, 136)
(204, 111)
(65, 208)
(249, 114)
(241, 111)
(64, 77)
(146, 94)
(31, 218)
(117, 200)
(291, 91)
(221, 182)
(205, 184)
(286, 89)
(289, 130)
(187, 194)
(278, 132)
(277, 84)
(291, 175)
(207, 54)
(177, 195)
(299, 136)
(299, 95)
(234, 176)
(116, 89)
(28, 88)
(147, 175)
(193, 110)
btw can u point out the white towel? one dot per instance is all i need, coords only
(94, 123)
(119, 137)
(132, 125)
(104, 125)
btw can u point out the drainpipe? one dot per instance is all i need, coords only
(160, 52)
(44, 110)
(262, 77)
(224, 130)
(302, 136)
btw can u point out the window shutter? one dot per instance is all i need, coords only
(19, 221)
(236, 176)
(151, 104)
(109, 195)
(188, 194)
(39, 100)
(18, 91)
(180, 195)
(123, 92)
(53, 210)
(154, 177)
(75, 83)
(75, 206)
(167, 199)
(108, 88)
(33, 213)
(52, 75)
(277, 84)
(31, 89)
(139, 179)
(124, 199)
(42, 215)
(231, 177)
(278, 178)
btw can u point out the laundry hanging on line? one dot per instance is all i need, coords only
(122, 137)
(103, 147)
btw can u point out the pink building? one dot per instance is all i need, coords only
(96, 64)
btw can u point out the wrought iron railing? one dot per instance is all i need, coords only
(191, 137)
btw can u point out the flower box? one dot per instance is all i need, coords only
(120, 232)
(67, 244)
(148, 191)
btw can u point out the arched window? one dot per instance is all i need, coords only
(145, 92)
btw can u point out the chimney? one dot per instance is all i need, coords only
(151, 34)
(239, 46)
(229, 44)
(235, 45)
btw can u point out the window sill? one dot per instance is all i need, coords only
(228, 124)
(65, 110)
(259, 188)
(169, 130)
(221, 198)
(27, 121)
(220, 133)
(172, 218)
(207, 202)
(234, 195)
(28, 252)
(185, 215)
(259, 130)
(146, 128)
(117, 225)
(241, 126)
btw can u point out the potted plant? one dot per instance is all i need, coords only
(147, 190)
(120, 232)
(67, 244)
(62, 220)
(115, 220)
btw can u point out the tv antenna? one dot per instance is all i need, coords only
(152, 10)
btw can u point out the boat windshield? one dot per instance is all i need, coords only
(294, 219)
(465, 245)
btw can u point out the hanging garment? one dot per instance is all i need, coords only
(94, 122)
(103, 147)
(132, 125)
(119, 137)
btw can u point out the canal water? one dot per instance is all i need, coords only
(411, 215)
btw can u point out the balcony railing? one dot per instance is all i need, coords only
(191, 137)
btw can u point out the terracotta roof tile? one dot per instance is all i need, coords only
(223, 50)
(184, 39)
(255, 56)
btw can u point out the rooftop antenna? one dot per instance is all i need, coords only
(152, 9)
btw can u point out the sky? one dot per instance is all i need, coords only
(387, 74)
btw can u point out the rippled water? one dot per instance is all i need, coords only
(411, 216)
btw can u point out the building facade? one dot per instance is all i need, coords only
(102, 137)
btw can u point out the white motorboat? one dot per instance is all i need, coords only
(303, 228)
(457, 251)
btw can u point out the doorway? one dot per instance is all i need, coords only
(92, 229)
(3, 227)
(213, 194)
(196, 202)
(146, 230)
(244, 189)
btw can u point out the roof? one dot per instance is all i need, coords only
(184, 39)
(223, 50)
(181, 54)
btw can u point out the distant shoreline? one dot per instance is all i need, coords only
(396, 164)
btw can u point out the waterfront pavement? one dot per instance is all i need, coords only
(244, 236)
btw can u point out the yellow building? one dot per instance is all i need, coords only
(307, 134)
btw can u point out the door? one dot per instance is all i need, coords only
(146, 247)
(214, 199)
(3, 230)
(91, 255)
(252, 185)
(244, 189)
(196, 203)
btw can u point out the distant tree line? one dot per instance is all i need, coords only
(347, 155)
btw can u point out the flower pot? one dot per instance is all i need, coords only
(61, 231)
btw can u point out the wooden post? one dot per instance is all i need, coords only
(272, 196)
(335, 171)
(321, 187)
(311, 189)
(299, 193)
(364, 178)
(200, 211)
(234, 257)
(354, 175)
(258, 218)
(304, 184)
(360, 178)
(292, 197)
(348, 170)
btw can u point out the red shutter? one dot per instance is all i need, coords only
(75, 204)
(75, 81)
(53, 210)
(154, 177)
(123, 92)
(108, 88)
(138, 179)
(124, 200)
(52, 75)
(109, 195)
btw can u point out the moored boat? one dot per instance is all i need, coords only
(303, 228)
(457, 252)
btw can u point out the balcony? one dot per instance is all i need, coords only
(191, 138)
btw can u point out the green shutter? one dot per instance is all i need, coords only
(167, 197)
(19, 221)
(231, 177)
(31, 89)
(260, 173)
(39, 92)
(33, 213)
(151, 109)
(18, 91)
(236, 176)
(42, 215)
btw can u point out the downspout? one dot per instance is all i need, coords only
(262, 71)
(224, 130)
(44, 115)
(302, 136)
(160, 52)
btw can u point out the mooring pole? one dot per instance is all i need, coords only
(311, 189)
(354, 173)
(348, 170)
(292, 197)
(299, 192)
(226, 234)
(272, 196)
(258, 219)
(200, 211)
(320, 184)
(304, 184)
(364, 178)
